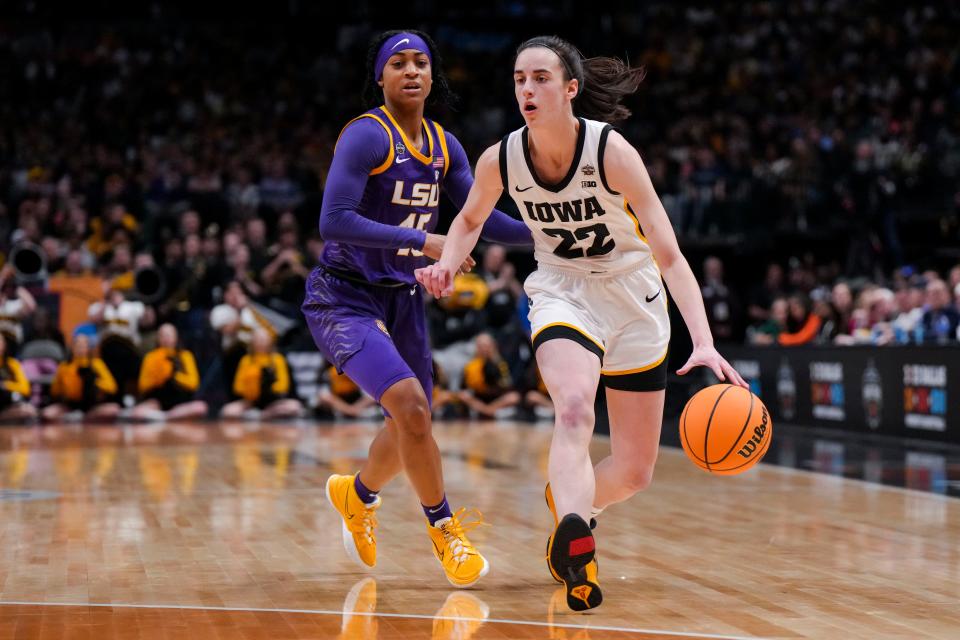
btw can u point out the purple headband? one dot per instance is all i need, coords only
(398, 43)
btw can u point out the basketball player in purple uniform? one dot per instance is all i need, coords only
(363, 305)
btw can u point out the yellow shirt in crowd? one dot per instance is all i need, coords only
(340, 384)
(474, 379)
(67, 384)
(13, 378)
(157, 368)
(246, 384)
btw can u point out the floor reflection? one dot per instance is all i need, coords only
(916, 465)
(459, 618)
(170, 456)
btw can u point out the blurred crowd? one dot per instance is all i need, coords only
(166, 176)
(808, 303)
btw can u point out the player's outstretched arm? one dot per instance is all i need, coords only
(359, 151)
(499, 227)
(465, 229)
(626, 173)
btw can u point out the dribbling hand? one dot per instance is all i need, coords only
(709, 357)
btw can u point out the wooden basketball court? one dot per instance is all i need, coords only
(223, 531)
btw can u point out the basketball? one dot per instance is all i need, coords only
(725, 429)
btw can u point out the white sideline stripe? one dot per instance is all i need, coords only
(689, 634)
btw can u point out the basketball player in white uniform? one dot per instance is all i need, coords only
(597, 307)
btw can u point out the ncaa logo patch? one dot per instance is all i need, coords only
(383, 328)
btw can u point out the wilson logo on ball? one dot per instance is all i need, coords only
(758, 432)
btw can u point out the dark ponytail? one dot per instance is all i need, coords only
(603, 81)
(440, 93)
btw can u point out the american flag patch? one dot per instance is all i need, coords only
(437, 161)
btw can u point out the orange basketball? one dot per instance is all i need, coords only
(725, 429)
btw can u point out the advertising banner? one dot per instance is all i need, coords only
(902, 391)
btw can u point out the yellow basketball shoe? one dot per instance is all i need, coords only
(358, 609)
(460, 560)
(594, 566)
(359, 520)
(460, 617)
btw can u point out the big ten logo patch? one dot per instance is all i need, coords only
(925, 396)
(750, 371)
(826, 391)
(383, 328)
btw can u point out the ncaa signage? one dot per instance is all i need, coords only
(826, 390)
(925, 397)
(904, 391)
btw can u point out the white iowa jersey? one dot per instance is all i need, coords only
(578, 224)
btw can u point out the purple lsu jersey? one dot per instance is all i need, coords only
(403, 191)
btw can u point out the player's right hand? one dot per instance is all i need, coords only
(437, 280)
(433, 246)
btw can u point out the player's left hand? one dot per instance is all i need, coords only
(707, 356)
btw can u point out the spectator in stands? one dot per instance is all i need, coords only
(255, 236)
(499, 273)
(105, 229)
(14, 389)
(872, 319)
(909, 301)
(235, 320)
(286, 274)
(117, 271)
(244, 272)
(119, 322)
(168, 381)
(263, 383)
(776, 323)
(40, 326)
(500, 311)
(444, 401)
(720, 302)
(802, 324)
(537, 399)
(941, 318)
(16, 304)
(456, 320)
(839, 317)
(74, 265)
(341, 396)
(488, 388)
(953, 279)
(242, 194)
(82, 387)
(277, 190)
(763, 295)
(800, 275)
